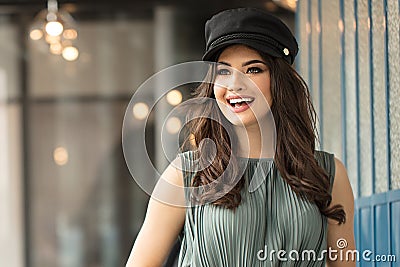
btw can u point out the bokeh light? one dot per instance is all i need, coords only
(140, 111)
(174, 97)
(36, 34)
(54, 28)
(173, 125)
(60, 156)
(70, 53)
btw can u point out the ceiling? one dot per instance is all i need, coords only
(104, 9)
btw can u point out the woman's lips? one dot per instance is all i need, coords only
(239, 103)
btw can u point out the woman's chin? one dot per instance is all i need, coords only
(242, 121)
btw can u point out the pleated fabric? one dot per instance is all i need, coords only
(269, 219)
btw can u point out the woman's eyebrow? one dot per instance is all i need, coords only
(252, 62)
(245, 63)
(224, 63)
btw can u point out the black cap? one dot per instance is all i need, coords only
(252, 27)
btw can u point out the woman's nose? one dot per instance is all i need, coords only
(236, 82)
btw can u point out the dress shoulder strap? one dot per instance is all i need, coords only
(327, 161)
(189, 164)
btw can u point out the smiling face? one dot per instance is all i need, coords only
(242, 85)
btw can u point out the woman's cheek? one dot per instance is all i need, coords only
(219, 93)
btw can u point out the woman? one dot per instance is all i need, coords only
(300, 213)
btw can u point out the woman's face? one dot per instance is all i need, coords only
(242, 85)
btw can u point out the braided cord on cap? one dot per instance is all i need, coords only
(258, 37)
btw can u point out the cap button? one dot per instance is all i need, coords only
(286, 51)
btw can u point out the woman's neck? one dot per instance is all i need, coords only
(255, 143)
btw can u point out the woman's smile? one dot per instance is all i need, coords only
(239, 103)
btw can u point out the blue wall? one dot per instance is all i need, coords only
(349, 56)
(377, 225)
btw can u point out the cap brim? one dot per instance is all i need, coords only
(212, 54)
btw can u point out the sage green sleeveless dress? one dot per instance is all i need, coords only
(271, 227)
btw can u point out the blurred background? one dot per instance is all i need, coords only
(68, 70)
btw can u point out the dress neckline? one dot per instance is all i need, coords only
(255, 159)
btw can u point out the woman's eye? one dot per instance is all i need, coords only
(253, 70)
(223, 72)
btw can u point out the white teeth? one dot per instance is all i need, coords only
(238, 100)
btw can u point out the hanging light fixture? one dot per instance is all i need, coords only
(287, 4)
(57, 28)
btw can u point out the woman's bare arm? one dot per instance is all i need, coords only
(162, 224)
(342, 194)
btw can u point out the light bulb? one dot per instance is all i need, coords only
(36, 34)
(140, 110)
(173, 125)
(174, 97)
(52, 39)
(56, 48)
(70, 34)
(54, 28)
(60, 156)
(70, 53)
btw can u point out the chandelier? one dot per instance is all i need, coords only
(57, 28)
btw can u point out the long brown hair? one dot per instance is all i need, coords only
(295, 121)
